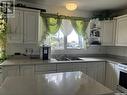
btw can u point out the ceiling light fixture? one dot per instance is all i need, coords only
(71, 6)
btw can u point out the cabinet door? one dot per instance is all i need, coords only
(27, 70)
(79, 67)
(15, 27)
(10, 71)
(116, 77)
(31, 25)
(96, 70)
(121, 31)
(111, 76)
(91, 70)
(101, 72)
(108, 33)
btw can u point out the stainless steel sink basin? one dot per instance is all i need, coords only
(67, 58)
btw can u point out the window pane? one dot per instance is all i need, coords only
(74, 41)
(56, 41)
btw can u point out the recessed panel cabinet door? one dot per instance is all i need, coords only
(96, 70)
(15, 28)
(111, 80)
(80, 67)
(108, 33)
(31, 26)
(9, 71)
(121, 32)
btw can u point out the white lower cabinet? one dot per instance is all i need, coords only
(79, 67)
(106, 74)
(96, 70)
(111, 80)
(10, 71)
(27, 70)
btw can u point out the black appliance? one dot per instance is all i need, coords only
(122, 78)
(45, 52)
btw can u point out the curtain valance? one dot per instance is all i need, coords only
(47, 15)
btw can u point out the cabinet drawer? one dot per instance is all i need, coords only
(11, 68)
(10, 71)
(66, 67)
(47, 67)
(44, 72)
(27, 70)
(79, 66)
(94, 65)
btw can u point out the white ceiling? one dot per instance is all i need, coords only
(90, 5)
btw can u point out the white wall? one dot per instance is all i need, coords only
(120, 51)
(20, 48)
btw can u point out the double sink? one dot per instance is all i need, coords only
(74, 58)
(67, 58)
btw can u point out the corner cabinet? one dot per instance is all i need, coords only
(108, 32)
(23, 28)
(121, 31)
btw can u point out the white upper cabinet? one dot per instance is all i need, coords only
(31, 20)
(121, 31)
(15, 27)
(23, 28)
(108, 32)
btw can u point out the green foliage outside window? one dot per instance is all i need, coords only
(3, 28)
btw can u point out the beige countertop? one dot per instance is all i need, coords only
(23, 60)
(68, 83)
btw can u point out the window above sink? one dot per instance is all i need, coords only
(65, 38)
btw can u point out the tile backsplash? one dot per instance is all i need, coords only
(90, 50)
(21, 48)
(117, 50)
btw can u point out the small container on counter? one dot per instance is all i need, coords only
(45, 52)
